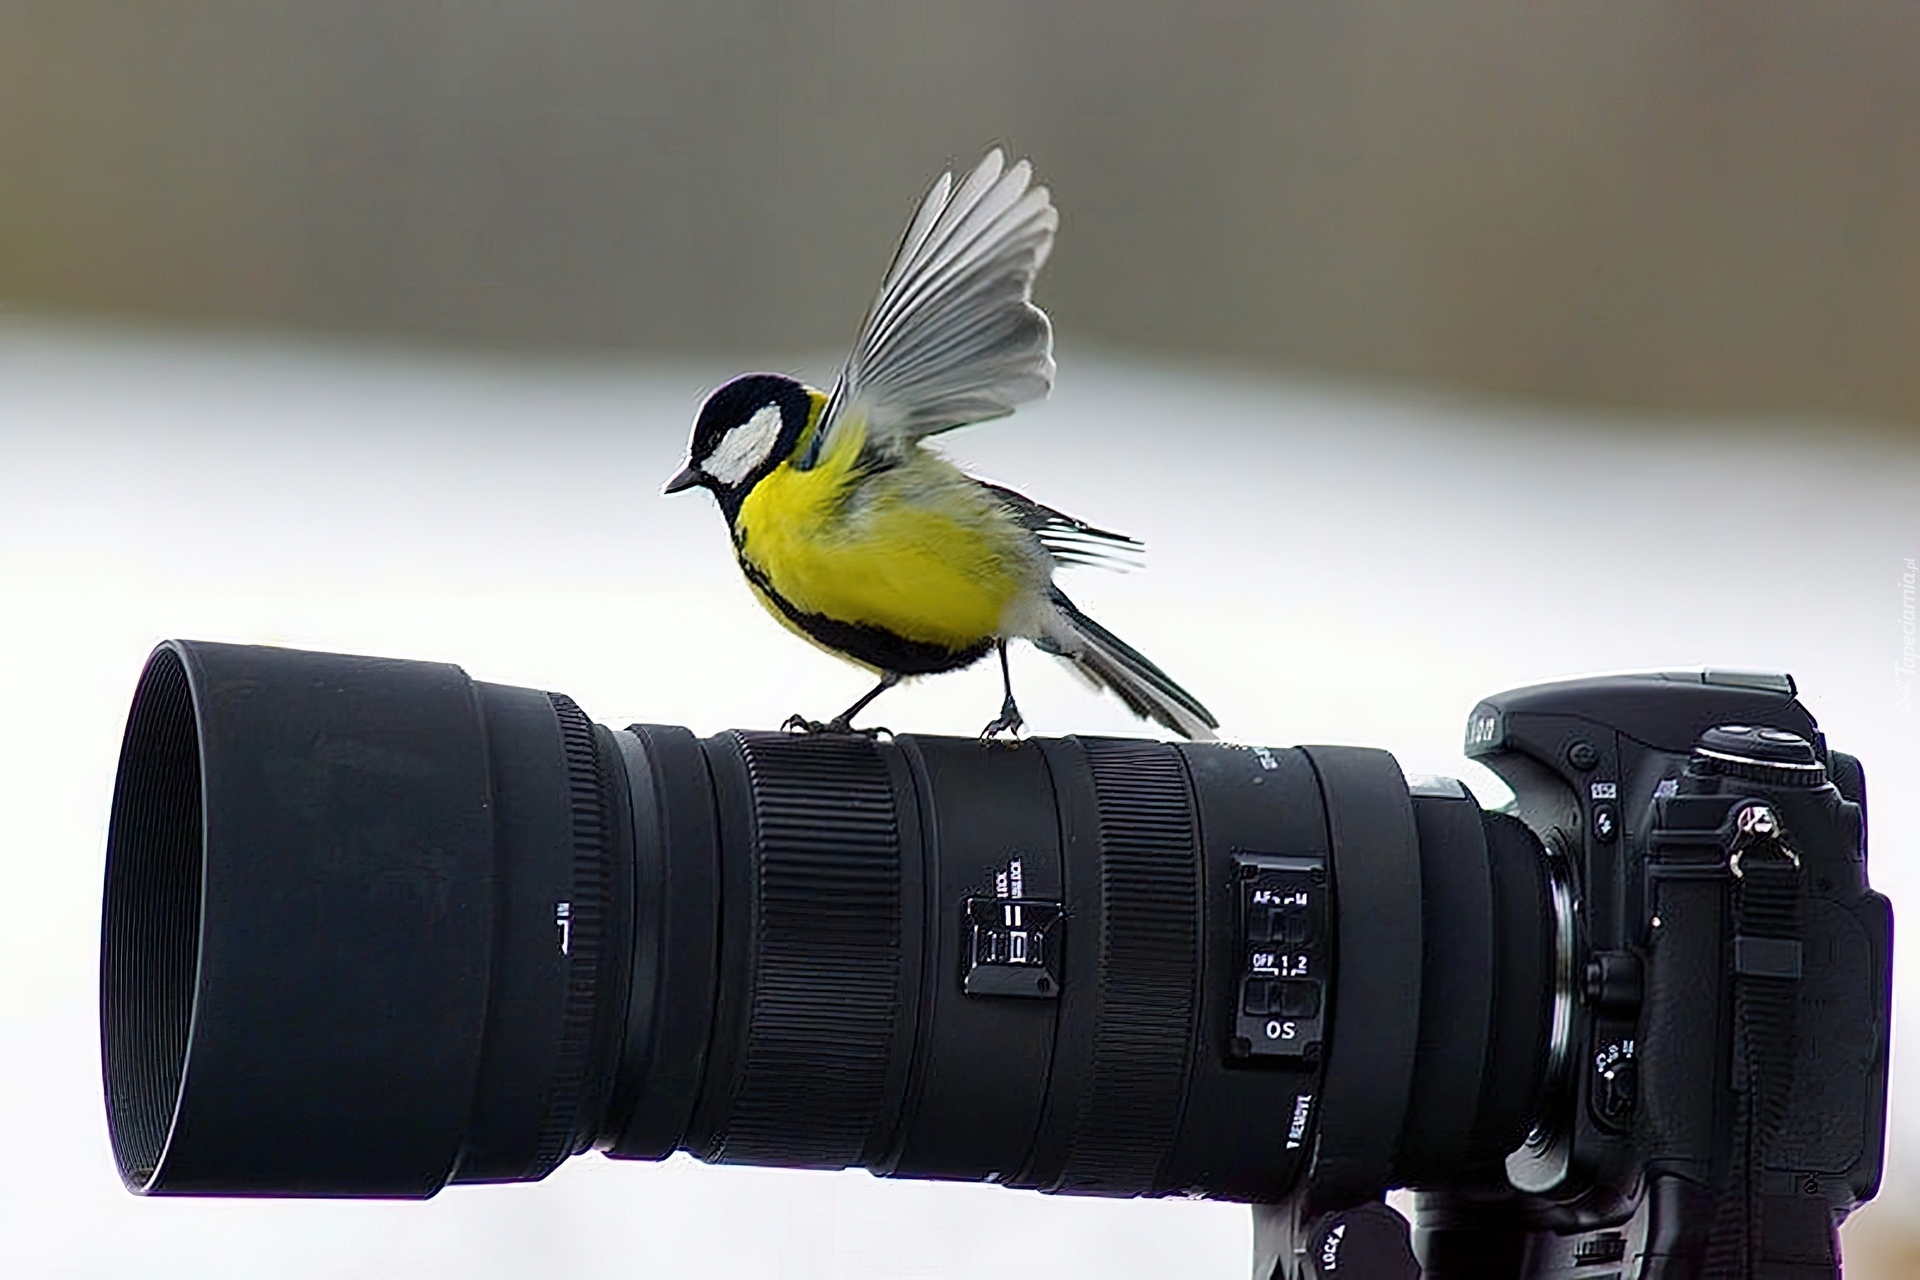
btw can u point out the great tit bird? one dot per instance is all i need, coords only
(874, 547)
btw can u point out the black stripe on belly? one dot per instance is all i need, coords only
(875, 646)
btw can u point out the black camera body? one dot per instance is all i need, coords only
(372, 928)
(1716, 1093)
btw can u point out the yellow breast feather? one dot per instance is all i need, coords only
(918, 550)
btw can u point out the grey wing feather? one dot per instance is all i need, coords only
(953, 336)
(1068, 540)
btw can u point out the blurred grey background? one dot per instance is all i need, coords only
(1688, 205)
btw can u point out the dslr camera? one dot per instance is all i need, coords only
(372, 927)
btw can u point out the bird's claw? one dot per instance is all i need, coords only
(797, 723)
(1008, 722)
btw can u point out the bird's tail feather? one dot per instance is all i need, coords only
(1107, 660)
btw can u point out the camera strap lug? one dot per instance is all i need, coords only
(1757, 831)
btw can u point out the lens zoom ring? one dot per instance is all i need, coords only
(1149, 955)
(825, 1001)
(586, 794)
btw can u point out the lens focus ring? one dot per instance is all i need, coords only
(825, 1003)
(1149, 944)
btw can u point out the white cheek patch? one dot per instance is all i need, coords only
(745, 447)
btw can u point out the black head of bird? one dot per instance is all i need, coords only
(746, 429)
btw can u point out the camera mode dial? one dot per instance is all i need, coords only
(1772, 756)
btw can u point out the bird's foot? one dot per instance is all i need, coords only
(1009, 722)
(839, 724)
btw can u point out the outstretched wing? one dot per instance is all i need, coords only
(953, 336)
(1068, 540)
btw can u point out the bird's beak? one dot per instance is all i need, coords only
(687, 478)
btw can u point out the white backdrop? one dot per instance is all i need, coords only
(1325, 564)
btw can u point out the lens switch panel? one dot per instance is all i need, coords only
(1280, 1009)
(1012, 948)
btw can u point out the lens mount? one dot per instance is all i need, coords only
(1539, 1163)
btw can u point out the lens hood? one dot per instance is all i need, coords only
(331, 887)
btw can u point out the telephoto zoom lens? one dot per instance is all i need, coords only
(372, 927)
